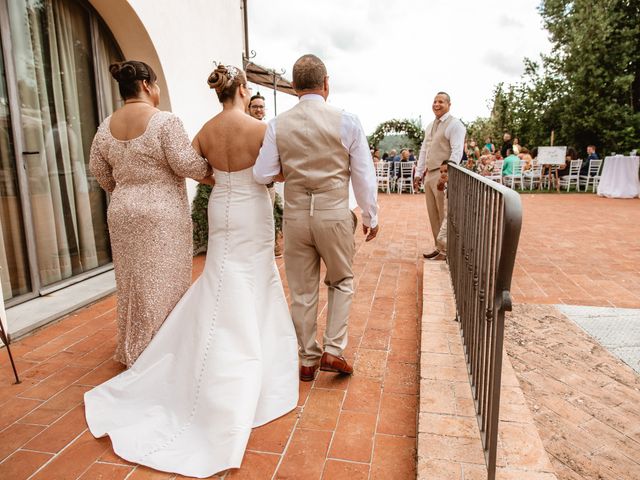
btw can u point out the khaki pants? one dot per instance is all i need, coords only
(328, 235)
(435, 208)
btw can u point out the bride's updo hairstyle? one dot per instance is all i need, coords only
(225, 80)
(130, 75)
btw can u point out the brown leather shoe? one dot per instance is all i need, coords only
(308, 374)
(435, 253)
(440, 256)
(331, 363)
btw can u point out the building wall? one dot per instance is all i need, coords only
(183, 40)
(180, 40)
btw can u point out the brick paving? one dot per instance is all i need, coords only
(344, 428)
(576, 249)
(579, 250)
(585, 402)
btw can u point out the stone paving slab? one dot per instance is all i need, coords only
(585, 402)
(449, 443)
(616, 329)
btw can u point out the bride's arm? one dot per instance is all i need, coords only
(196, 146)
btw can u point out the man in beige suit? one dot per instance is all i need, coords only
(318, 149)
(443, 141)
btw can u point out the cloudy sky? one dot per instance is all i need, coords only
(387, 58)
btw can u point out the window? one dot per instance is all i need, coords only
(60, 50)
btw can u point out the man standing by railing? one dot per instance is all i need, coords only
(443, 141)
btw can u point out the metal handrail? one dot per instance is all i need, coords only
(484, 221)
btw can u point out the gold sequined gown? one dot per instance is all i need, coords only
(149, 223)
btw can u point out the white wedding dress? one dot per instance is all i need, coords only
(224, 361)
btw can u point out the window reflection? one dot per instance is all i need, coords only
(53, 57)
(14, 268)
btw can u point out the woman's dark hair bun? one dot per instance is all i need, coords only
(114, 70)
(129, 75)
(127, 72)
(123, 72)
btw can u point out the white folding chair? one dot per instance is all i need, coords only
(532, 176)
(382, 176)
(405, 180)
(592, 177)
(515, 176)
(496, 173)
(573, 177)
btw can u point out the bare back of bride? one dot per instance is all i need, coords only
(225, 359)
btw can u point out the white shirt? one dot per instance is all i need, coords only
(353, 139)
(455, 133)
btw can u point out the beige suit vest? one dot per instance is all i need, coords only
(439, 146)
(314, 161)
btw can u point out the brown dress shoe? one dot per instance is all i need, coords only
(308, 374)
(331, 363)
(440, 256)
(435, 253)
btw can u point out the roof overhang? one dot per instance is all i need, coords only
(267, 78)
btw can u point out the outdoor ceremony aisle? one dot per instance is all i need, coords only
(344, 428)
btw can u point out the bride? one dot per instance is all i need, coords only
(225, 360)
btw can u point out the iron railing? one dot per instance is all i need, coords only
(484, 220)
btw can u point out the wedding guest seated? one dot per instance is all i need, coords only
(526, 158)
(591, 155)
(486, 162)
(498, 155)
(509, 162)
(572, 154)
(404, 157)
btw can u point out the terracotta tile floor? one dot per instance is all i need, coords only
(578, 249)
(356, 428)
(362, 427)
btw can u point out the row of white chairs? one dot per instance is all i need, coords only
(533, 178)
(388, 182)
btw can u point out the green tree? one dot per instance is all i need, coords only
(587, 90)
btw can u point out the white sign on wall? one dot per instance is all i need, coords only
(552, 155)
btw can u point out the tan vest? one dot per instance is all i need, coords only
(314, 161)
(439, 146)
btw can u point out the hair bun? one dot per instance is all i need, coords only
(114, 70)
(123, 72)
(127, 72)
(218, 79)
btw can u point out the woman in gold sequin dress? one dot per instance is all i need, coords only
(142, 155)
(226, 358)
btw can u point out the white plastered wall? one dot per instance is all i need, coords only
(180, 40)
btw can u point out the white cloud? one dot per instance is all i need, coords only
(387, 59)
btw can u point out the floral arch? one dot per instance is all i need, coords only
(411, 128)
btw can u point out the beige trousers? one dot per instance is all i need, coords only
(435, 208)
(327, 235)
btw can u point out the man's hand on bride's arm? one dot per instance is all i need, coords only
(370, 232)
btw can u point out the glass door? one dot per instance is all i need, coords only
(15, 276)
(53, 56)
